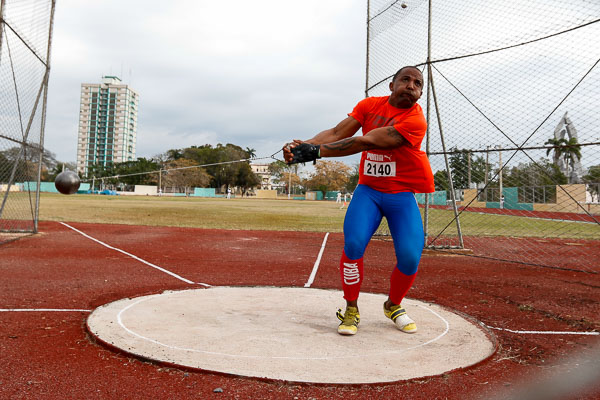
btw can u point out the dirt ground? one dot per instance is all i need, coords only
(540, 316)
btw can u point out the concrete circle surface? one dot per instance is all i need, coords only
(288, 334)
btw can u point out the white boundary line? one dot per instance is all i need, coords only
(543, 332)
(42, 310)
(316, 266)
(135, 257)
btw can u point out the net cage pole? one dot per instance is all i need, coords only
(427, 143)
(431, 93)
(1, 27)
(43, 121)
(450, 183)
(368, 41)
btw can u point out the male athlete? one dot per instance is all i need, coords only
(392, 169)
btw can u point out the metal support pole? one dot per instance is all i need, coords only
(469, 170)
(450, 183)
(43, 122)
(1, 27)
(487, 163)
(368, 38)
(160, 182)
(500, 176)
(427, 150)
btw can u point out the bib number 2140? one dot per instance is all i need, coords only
(380, 169)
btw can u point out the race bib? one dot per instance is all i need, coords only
(380, 169)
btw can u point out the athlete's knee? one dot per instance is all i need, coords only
(407, 268)
(408, 261)
(354, 248)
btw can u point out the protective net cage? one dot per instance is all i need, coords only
(512, 99)
(25, 38)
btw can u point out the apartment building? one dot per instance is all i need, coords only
(107, 124)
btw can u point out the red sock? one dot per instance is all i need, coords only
(399, 285)
(351, 272)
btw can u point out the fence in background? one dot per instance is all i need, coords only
(511, 97)
(25, 42)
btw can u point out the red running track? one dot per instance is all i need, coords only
(48, 354)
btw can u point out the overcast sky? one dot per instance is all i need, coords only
(252, 73)
(259, 73)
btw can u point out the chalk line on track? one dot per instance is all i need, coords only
(311, 278)
(136, 257)
(543, 332)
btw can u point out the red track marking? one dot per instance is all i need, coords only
(132, 256)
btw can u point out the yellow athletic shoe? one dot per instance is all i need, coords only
(402, 321)
(350, 320)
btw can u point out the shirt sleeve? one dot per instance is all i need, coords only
(360, 111)
(413, 128)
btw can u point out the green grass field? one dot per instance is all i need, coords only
(280, 214)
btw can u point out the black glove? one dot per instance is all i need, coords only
(305, 152)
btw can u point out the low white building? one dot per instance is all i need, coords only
(262, 170)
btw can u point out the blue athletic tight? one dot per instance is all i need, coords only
(367, 208)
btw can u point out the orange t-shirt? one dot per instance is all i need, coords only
(405, 168)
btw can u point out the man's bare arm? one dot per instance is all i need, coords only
(346, 128)
(380, 138)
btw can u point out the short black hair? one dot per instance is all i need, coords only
(402, 69)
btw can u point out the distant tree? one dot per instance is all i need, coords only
(222, 162)
(441, 181)
(541, 173)
(593, 175)
(139, 172)
(50, 175)
(99, 170)
(572, 154)
(24, 161)
(174, 154)
(592, 178)
(246, 178)
(353, 179)
(183, 175)
(251, 153)
(557, 148)
(459, 166)
(101, 176)
(329, 175)
(569, 150)
(12, 168)
(539, 179)
(286, 174)
(277, 169)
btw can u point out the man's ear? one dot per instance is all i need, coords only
(391, 86)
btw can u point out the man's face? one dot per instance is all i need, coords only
(407, 88)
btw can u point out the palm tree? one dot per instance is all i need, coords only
(557, 146)
(250, 152)
(569, 150)
(571, 153)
